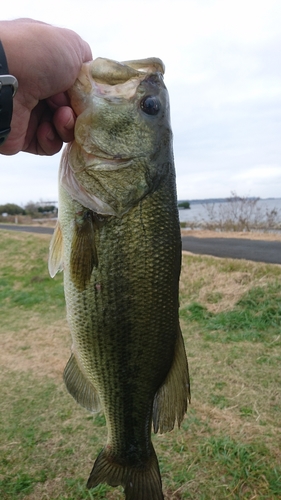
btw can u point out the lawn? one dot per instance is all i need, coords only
(229, 445)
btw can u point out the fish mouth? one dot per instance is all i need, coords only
(112, 72)
(110, 79)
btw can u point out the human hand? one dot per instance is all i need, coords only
(46, 61)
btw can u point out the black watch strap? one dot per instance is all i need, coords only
(8, 88)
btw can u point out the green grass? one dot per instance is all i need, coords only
(229, 445)
(255, 317)
(25, 282)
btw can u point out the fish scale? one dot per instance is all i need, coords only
(121, 279)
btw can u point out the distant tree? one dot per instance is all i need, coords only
(240, 213)
(184, 204)
(31, 208)
(11, 209)
(46, 208)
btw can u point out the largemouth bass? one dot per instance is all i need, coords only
(118, 243)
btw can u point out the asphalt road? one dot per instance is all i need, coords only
(234, 248)
(28, 229)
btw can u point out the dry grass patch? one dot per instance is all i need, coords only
(218, 284)
(245, 235)
(44, 350)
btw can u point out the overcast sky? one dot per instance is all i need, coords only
(223, 73)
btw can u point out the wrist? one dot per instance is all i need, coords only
(8, 88)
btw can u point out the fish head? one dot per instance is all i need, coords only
(123, 136)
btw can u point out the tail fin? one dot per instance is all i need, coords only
(139, 482)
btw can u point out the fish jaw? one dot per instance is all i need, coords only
(76, 189)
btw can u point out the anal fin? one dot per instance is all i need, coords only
(79, 387)
(170, 402)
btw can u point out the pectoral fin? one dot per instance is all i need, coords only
(83, 251)
(55, 263)
(170, 402)
(79, 387)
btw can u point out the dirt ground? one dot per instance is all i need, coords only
(233, 234)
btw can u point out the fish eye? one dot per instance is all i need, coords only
(150, 105)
